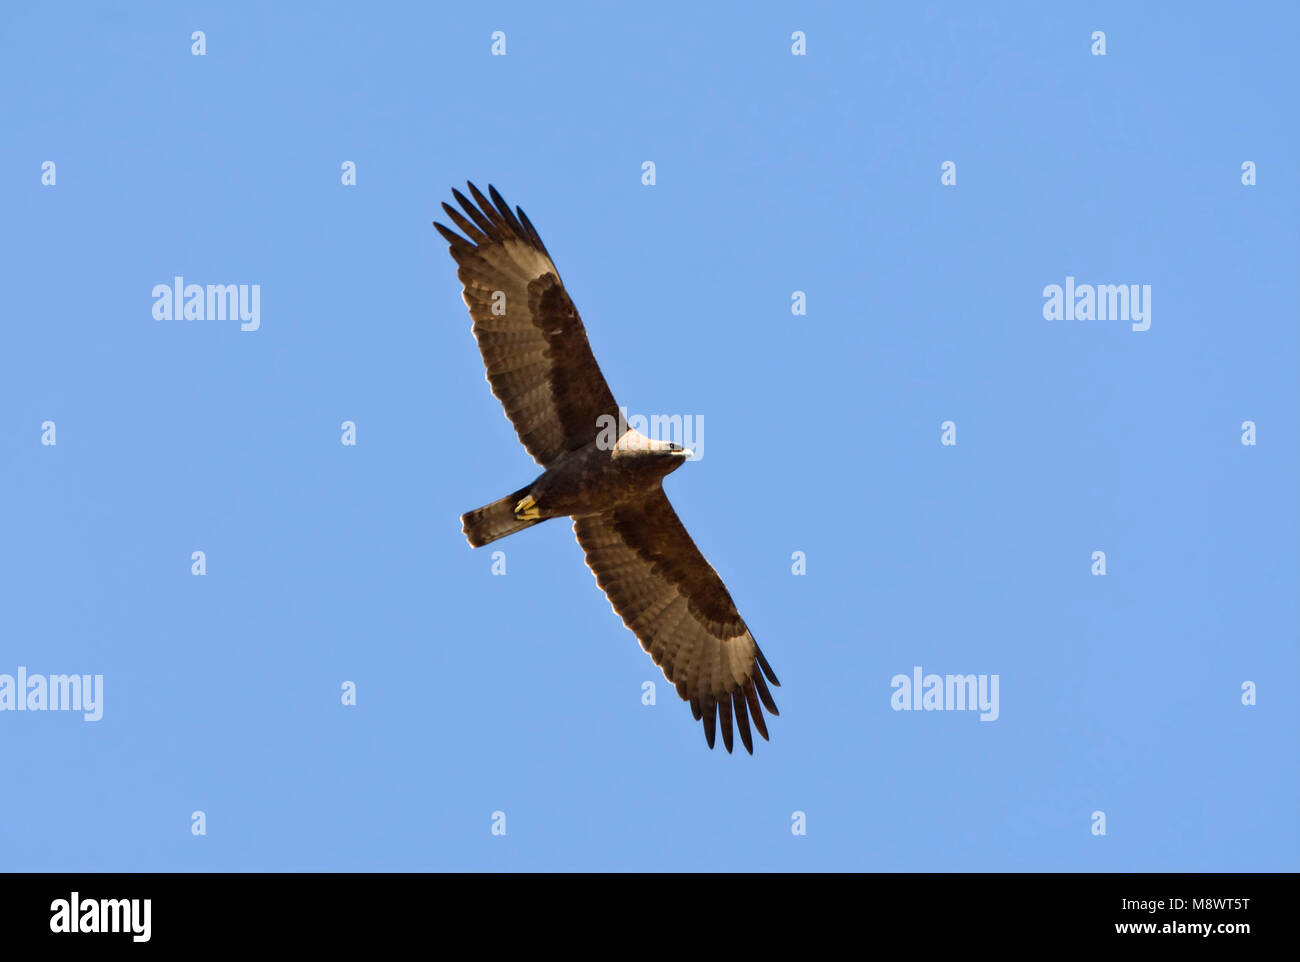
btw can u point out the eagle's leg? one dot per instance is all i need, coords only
(526, 509)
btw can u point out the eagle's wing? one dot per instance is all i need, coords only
(674, 602)
(533, 343)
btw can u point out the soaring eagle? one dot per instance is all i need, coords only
(541, 369)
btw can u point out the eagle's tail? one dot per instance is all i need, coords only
(496, 520)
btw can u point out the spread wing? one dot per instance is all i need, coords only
(674, 602)
(533, 343)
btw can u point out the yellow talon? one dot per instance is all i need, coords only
(526, 509)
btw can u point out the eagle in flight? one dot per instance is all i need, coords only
(541, 368)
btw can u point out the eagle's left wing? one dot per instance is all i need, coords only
(674, 602)
(534, 346)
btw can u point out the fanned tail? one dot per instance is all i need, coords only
(496, 520)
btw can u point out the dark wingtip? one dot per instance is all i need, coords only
(724, 716)
(482, 218)
(491, 219)
(760, 686)
(742, 720)
(709, 712)
(504, 209)
(533, 236)
(484, 204)
(452, 238)
(755, 710)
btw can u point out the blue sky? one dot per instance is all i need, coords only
(775, 173)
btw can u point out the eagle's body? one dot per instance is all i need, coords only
(592, 476)
(579, 483)
(540, 366)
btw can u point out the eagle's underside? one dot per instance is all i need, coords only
(540, 366)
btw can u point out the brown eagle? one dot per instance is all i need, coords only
(541, 369)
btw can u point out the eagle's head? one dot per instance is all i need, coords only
(659, 457)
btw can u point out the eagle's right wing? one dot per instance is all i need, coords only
(665, 591)
(532, 340)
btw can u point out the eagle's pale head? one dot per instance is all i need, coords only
(666, 456)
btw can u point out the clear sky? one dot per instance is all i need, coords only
(478, 693)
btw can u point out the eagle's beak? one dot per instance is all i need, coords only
(685, 453)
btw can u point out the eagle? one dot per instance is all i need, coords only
(540, 367)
